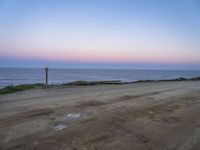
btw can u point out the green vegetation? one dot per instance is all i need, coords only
(13, 89)
(80, 83)
(94, 82)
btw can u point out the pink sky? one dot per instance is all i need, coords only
(113, 32)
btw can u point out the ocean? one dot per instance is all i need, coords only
(16, 76)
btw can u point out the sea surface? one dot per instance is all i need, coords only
(16, 76)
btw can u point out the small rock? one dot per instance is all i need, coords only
(73, 115)
(60, 127)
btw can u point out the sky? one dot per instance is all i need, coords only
(130, 34)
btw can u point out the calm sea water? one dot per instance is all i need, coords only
(16, 76)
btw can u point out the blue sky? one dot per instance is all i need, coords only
(100, 34)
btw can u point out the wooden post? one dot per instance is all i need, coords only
(46, 70)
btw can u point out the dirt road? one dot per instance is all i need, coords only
(140, 116)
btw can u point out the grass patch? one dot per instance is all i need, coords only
(13, 89)
(80, 83)
(94, 82)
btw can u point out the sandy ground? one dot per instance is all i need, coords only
(140, 116)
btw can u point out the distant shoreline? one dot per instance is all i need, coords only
(120, 82)
(13, 77)
(22, 87)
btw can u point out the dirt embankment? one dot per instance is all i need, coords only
(139, 116)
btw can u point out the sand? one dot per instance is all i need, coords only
(138, 116)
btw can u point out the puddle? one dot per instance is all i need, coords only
(73, 116)
(60, 127)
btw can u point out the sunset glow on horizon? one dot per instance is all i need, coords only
(132, 32)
